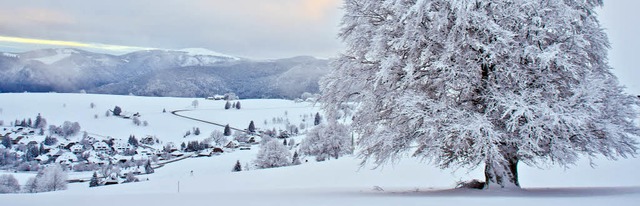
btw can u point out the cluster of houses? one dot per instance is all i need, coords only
(88, 150)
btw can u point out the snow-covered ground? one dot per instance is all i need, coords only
(334, 182)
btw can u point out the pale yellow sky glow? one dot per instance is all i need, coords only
(115, 48)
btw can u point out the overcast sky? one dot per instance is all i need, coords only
(247, 28)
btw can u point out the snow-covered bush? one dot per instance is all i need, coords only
(8, 184)
(136, 121)
(327, 140)
(272, 154)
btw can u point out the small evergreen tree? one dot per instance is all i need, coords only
(133, 141)
(317, 119)
(252, 127)
(227, 130)
(284, 142)
(164, 110)
(196, 131)
(92, 105)
(94, 180)
(40, 122)
(238, 105)
(237, 167)
(227, 105)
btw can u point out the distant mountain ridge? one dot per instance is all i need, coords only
(178, 73)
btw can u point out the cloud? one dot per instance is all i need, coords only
(58, 43)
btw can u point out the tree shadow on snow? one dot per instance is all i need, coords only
(525, 192)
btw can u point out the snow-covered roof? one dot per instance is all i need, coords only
(67, 157)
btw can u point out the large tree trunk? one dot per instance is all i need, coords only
(502, 174)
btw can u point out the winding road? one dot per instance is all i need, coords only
(203, 121)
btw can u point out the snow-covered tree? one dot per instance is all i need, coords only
(469, 83)
(51, 178)
(9, 184)
(195, 103)
(272, 154)
(136, 121)
(218, 138)
(238, 105)
(70, 128)
(237, 167)
(330, 140)
(133, 141)
(40, 122)
(227, 105)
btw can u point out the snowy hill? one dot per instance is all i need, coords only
(72, 70)
(334, 182)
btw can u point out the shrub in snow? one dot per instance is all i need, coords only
(49, 140)
(145, 123)
(116, 111)
(492, 83)
(195, 103)
(8, 184)
(92, 105)
(327, 140)
(227, 105)
(131, 178)
(473, 184)
(136, 121)
(272, 154)
(238, 105)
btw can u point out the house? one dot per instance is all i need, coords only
(76, 148)
(232, 144)
(177, 154)
(42, 158)
(149, 140)
(121, 147)
(101, 147)
(66, 158)
(216, 97)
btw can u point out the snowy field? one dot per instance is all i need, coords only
(335, 182)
